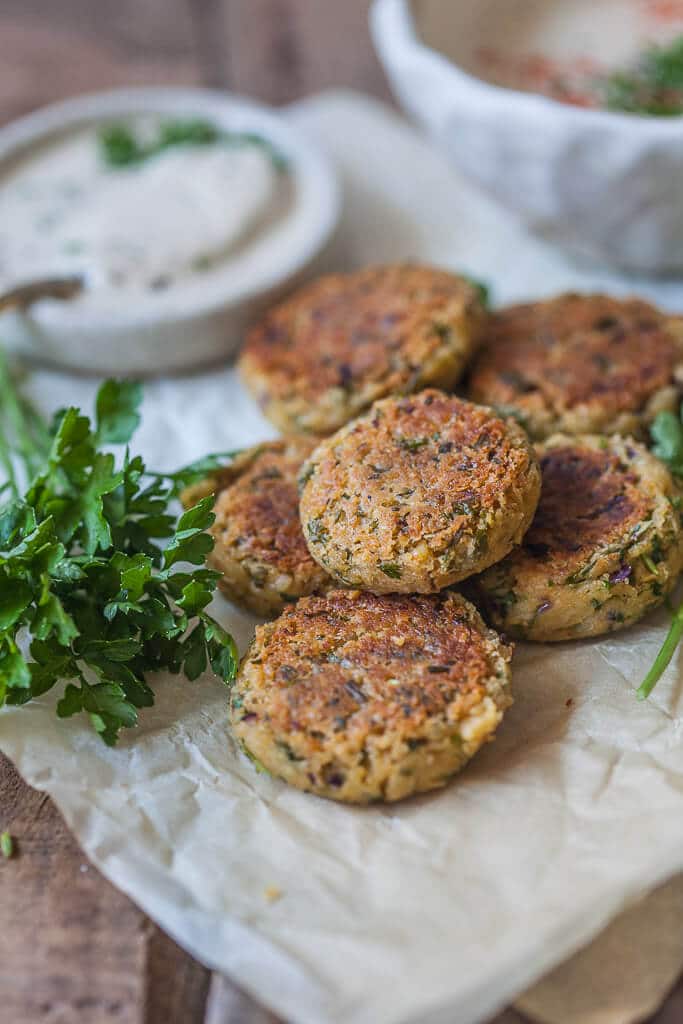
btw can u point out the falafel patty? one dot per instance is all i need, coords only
(419, 493)
(334, 347)
(259, 545)
(360, 698)
(580, 364)
(604, 548)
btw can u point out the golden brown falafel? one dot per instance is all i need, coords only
(335, 346)
(359, 697)
(419, 493)
(605, 546)
(259, 545)
(580, 364)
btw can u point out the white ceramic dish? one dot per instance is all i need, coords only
(605, 185)
(193, 324)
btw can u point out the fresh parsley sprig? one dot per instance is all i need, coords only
(667, 436)
(94, 577)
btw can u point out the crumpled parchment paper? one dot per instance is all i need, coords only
(446, 907)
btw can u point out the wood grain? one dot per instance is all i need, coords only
(52, 50)
(175, 985)
(276, 50)
(73, 950)
(76, 949)
(280, 50)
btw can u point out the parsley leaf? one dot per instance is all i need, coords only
(14, 600)
(117, 408)
(667, 434)
(120, 146)
(482, 289)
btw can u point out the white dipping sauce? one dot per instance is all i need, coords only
(143, 228)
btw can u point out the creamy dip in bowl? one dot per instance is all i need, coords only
(507, 89)
(183, 211)
(569, 50)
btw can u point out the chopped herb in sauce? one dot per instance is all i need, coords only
(120, 146)
(652, 86)
(649, 85)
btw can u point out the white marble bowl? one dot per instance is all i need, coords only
(607, 186)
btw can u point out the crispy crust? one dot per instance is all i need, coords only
(334, 347)
(580, 364)
(260, 548)
(604, 548)
(419, 493)
(361, 698)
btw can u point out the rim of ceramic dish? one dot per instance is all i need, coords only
(395, 20)
(316, 203)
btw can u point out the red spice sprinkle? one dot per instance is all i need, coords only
(570, 81)
(664, 10)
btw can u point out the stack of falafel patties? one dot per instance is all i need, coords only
(378, 679)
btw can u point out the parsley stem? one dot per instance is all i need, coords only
(38, 427)
(17, 417)
(5, 442)
(6, 463)
(666, 653)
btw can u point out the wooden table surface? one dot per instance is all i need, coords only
(73, 950)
